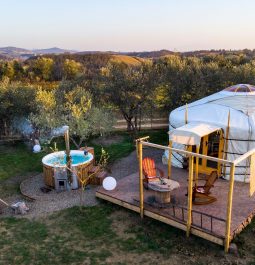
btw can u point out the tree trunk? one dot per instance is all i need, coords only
(136, 122)
(5, 129)
(128, 125)
(131, 126)
(140, 119)
(75, 143)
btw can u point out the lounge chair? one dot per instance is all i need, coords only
(200, 194)
(151, 173)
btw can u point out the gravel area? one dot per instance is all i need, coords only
(46, 203)
(129, 165)
(52, 201)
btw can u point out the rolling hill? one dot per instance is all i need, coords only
(20, 53)
(126, 59)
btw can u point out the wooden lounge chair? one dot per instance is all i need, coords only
(150, 171)
(200, 194)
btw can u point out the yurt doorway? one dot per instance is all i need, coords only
(207, 139)
(210, 145)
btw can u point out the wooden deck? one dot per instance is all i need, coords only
(208, 221)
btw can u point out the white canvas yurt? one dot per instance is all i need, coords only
(221, 125)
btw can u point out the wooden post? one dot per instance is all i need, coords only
(140, 152)
(229, 209)
(68, 157)
(186, 114)
(190, 187)
(170, 159)
(226, 143)
(197, 162)
(221, 146)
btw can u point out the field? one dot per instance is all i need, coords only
(106, 234)
(102, 234)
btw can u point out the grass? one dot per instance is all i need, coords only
(74, 235)
(16, 159)
(127, 145)
(107, 234)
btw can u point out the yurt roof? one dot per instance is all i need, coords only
(239, 97)
(240, 88)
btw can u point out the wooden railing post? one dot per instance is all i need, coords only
(226, 144)
(197, 163)
(190, 187)
(140, 152)
(170, 159)
(229, 209)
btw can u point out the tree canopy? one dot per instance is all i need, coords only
(71, 86)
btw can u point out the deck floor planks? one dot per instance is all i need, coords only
(243, 206)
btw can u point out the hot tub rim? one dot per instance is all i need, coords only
(72, 152)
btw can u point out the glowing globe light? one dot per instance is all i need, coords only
(37, 148)
(109, 183)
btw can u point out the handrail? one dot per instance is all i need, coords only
(223, 161)
(243, 157)
(198, 213)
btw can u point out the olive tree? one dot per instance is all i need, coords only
(16, 103)
(74, 108)
(71, 69)
(128, 88)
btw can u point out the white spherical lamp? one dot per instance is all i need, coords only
(37, 148)
(109, 183)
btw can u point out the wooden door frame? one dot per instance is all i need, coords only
(203, 168)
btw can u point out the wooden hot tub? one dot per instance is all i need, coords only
(82, 168)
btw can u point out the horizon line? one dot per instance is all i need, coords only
(133, 51)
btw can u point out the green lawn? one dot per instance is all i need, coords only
(107, 234)
(16, 159)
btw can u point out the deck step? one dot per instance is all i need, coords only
(98, 178)
(94, 169)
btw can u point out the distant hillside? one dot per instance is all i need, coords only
(54, 50)
(15, 53)
(94, 60)
(2, 57)
(20, 53)
(150, 54)
(126, 59)
(11, 49)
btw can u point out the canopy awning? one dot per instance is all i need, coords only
(191, 133)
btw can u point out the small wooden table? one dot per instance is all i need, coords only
(162, 189)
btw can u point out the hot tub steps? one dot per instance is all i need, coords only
(98, 177)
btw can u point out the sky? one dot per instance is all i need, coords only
(128, 25)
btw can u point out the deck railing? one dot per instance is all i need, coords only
(249, 155)
(180, 212)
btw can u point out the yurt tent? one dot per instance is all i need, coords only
(221, 125)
